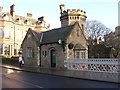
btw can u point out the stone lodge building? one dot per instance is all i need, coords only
(112, 40)
(13, 29)
(50, 49)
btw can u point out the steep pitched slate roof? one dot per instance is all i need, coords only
(17, 16)
(25, 18)
(54, 35)
(37, 36)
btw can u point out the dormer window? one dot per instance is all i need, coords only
(3, 15)
(25, 21)
(17, 20)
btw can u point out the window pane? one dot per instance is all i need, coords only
(45, 53)
(12, 34)
(77, 55)
(82, 55)
(1, 47)
(1, 32)
(83, 28)
(7, 32)
(20, 34)
(29, 52)
(78, 33)
(7, 49)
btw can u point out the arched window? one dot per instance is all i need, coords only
(82, 28)
(78, 33)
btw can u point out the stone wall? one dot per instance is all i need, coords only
(30, 42)
(60, 56)
(95, 69)
(69, 17)
(102, 76)
(73, 38)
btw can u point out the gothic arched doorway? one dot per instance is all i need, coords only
(53, 58)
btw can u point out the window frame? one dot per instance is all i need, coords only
(82, 56)
(44, 53)
(1, 32)
(82, 27)
(77, 55)
(7, 35)
(1, 49)
(78, 32)
(29, 52)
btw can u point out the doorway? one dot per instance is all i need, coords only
(53, 58)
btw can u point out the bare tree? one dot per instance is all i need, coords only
(95, 29)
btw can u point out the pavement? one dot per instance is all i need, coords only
(53, 71)
(50, 71)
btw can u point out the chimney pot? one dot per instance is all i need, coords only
(12, 10)
(29, 15)
(41, 18)
(1, 8)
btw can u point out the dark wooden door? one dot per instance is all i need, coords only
(53, 58)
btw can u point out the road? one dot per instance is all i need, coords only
(20, 79)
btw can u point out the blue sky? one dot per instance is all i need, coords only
(105, 11)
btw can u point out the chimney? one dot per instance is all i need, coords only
(12, 10)
(1, 8)
(29, 15)
(41, 18)
(62, 8)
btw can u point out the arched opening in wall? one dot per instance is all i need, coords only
(75, 17)
(72, 17)
(53, 58)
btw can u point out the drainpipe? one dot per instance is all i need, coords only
(40, 46)
(14, 39)
(67, 51)
(38, 61)
(40, 55)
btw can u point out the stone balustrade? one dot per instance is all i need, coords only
(96, 65)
